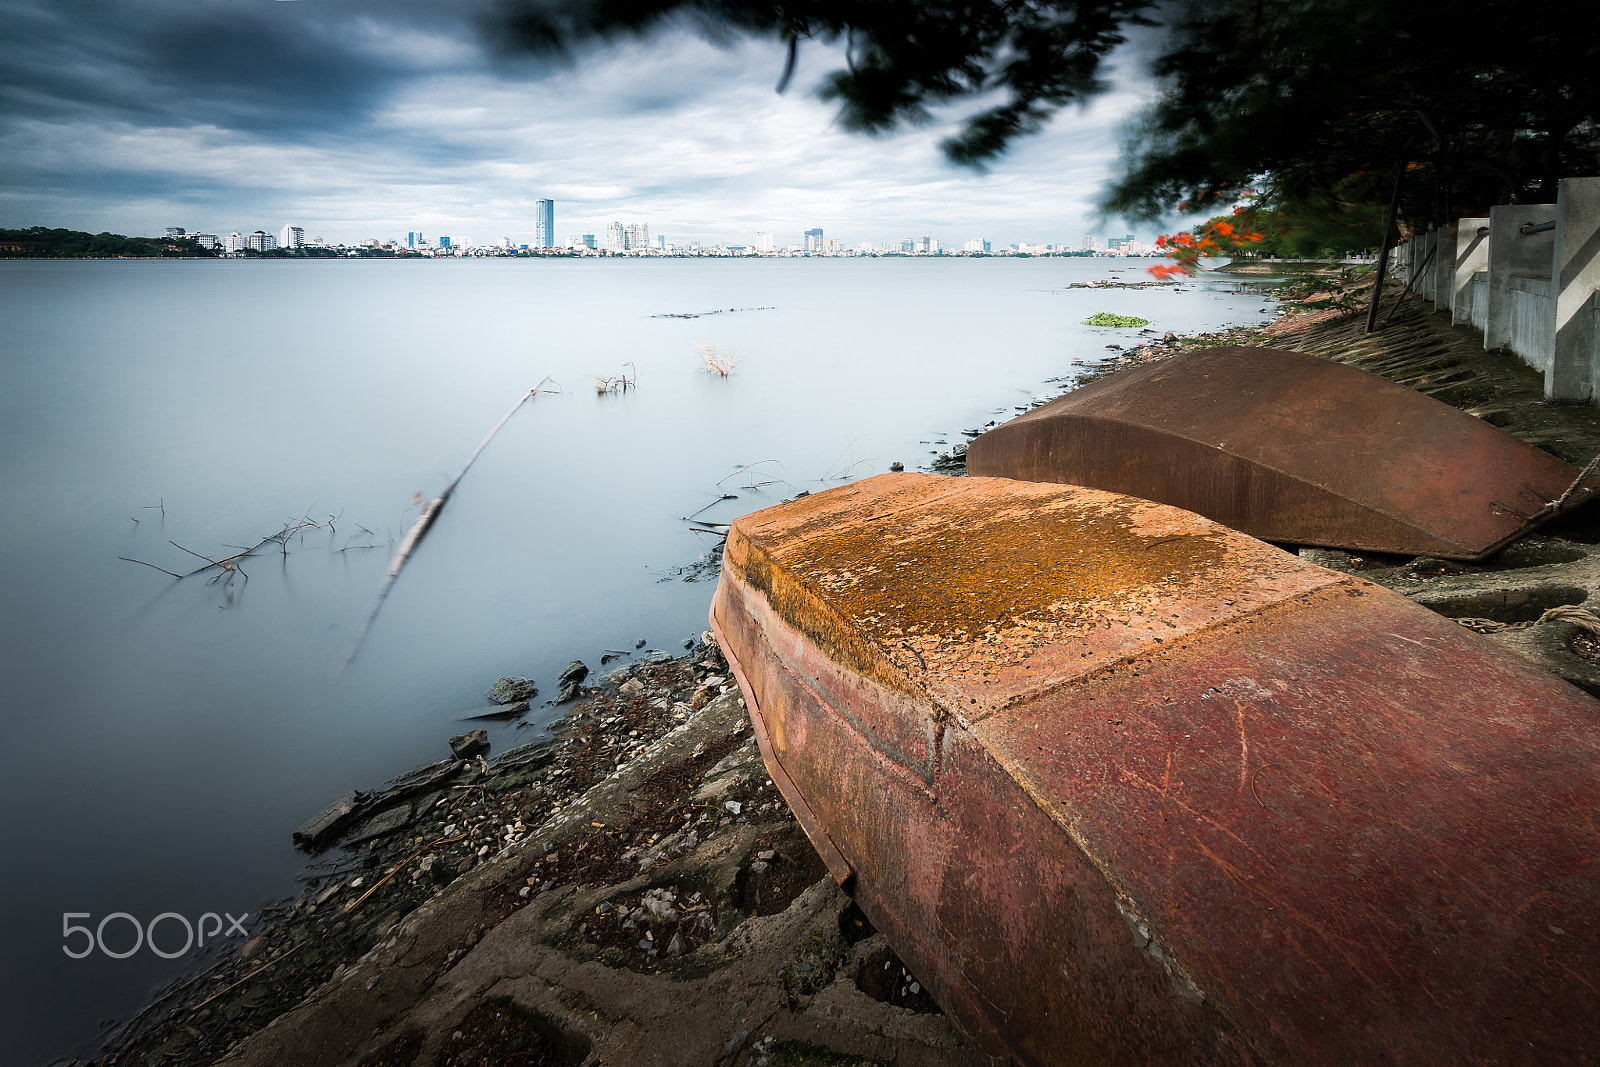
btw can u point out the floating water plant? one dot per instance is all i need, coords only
(1106, 318)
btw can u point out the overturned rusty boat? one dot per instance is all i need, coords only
(1122, 785)
(1289, 447)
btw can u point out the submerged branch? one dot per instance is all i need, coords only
(424, 523)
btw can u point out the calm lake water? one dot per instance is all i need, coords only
(166, 737)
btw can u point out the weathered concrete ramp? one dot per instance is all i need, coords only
(1125, 786)
(1289, 447)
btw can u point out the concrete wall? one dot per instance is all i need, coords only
(1479, 304)
(1444, 275)
(1472, 255)
(1574, 370)
(1515, 256)
(1531, 331)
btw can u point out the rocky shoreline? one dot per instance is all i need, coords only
(644, 838)
(634, 890)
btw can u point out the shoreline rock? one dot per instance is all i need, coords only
(639, 862)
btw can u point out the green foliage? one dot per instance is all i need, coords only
(1106, 318)
(1315, 226)
(1494, 101)
(46, 243)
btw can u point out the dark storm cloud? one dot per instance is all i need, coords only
(360, 118)
(271, 69)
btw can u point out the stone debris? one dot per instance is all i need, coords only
(571, 681)
(511, 689)
(643, 834)
(472, 743)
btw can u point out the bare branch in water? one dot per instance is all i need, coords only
(163, 570)
(750, 469)
(621, 384)
(424, 523)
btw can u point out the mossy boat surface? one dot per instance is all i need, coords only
(1122, 785)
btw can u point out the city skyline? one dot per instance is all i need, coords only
(635, 236)
(377, 119)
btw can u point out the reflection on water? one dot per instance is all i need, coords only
(166, 736)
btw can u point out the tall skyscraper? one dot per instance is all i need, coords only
(544, 224)
(638, 235)
(813, 240)
(411, 239)
(616, 237)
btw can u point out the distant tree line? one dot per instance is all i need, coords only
(41, 242)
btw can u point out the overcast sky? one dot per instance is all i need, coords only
(369, 118)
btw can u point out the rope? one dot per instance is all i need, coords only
(1570, 613)
(1559, 502)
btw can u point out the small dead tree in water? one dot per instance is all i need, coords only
(621, 384)
(719, 358)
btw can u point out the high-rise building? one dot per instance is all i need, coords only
(411, 238)
(544, 224)
(175, 231)
(291, 237)
(1091, 243)
(638, 235)
(616, 237)
(261, 241)
(813, 240)
(927, 244)
(444, 242)
(588, 240)
(234, 242)
(763, 242)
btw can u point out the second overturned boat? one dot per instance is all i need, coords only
(1289, 447)
(1122, 785)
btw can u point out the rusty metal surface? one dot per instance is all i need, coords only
(1289, 447)
(1124, 786)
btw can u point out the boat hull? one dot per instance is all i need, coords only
(1237, 809)
(1292, 448)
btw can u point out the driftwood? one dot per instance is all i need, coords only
(229, 567)
(424, 523)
